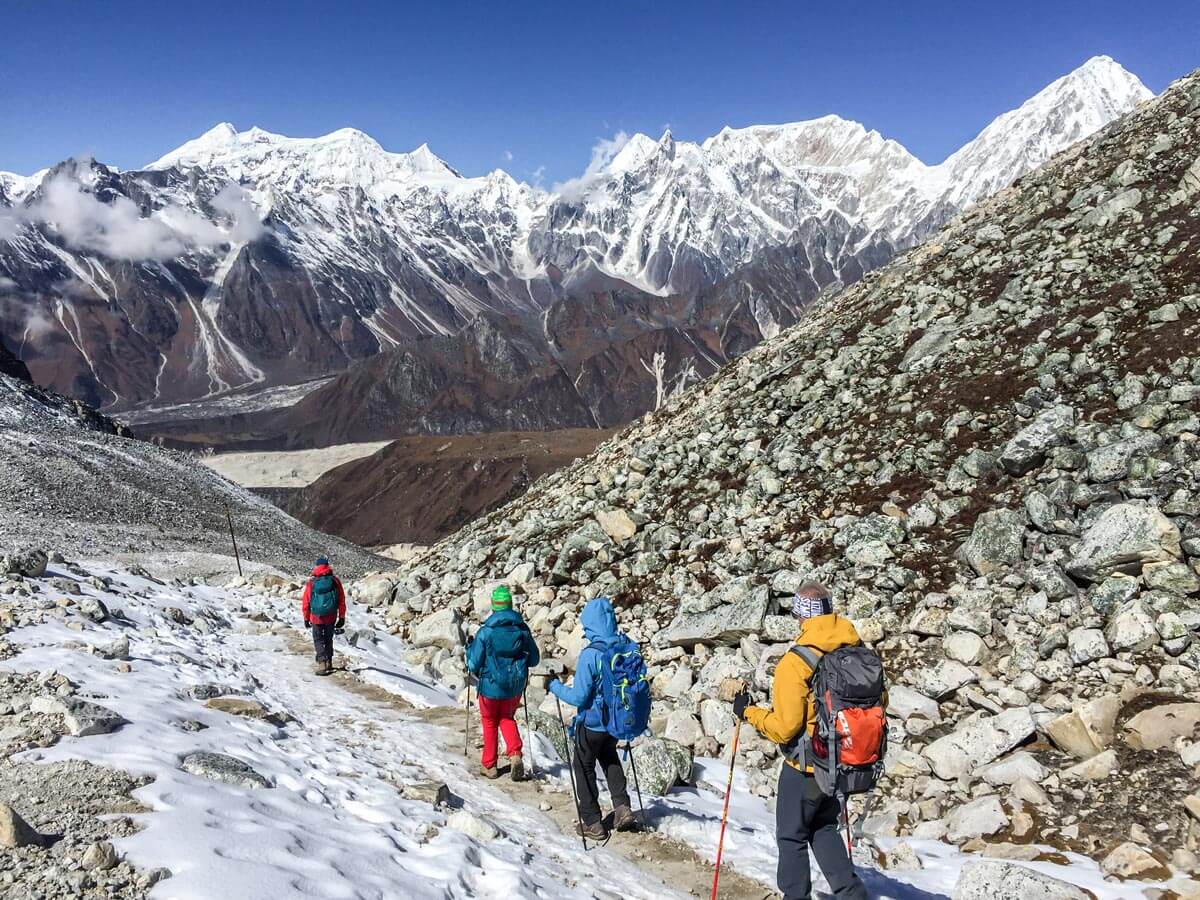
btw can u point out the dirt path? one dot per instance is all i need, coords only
(661, 857)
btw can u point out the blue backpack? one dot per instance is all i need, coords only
(624, 689)
(323, 601)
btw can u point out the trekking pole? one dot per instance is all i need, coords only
(846, 822)
(571, 770)
(636, 785)
(737, 730)
(529, 733)
(467, 734)
(237, 556)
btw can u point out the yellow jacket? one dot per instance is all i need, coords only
(793, 708)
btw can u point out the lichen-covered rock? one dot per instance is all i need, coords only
(990, 879)
(996, 542)
(222, 768)
(1124, 538)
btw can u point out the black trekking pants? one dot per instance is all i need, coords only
(592, 747)
(323, 641)
(804, 816)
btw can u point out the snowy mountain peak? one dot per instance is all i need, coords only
(1067, 110)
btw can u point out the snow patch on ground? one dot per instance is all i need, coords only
(287, 468)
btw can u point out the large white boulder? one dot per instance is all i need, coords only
(966, 749)
(442, 629)
(993, 879)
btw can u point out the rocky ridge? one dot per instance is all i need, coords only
(75, 479)
(990, 449)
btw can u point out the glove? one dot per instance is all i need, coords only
(553, 682)
(740, 702)
(307, 623)
(339, 626)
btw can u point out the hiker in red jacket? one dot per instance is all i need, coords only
(324, 612)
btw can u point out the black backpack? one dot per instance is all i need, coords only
(848, 743)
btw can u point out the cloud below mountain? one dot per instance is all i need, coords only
(118, 230)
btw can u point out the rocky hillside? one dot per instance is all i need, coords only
(76, 481)
(990, 448)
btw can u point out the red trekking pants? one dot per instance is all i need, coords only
(495, 714)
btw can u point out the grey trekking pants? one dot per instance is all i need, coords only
(804, 816)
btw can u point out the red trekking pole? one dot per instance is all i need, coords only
(737, 730)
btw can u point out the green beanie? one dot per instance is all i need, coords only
(501, 597)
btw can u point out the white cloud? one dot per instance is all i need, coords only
(6, 284)
(603, 152)
(537, 177)
(508, 156)
(119, 230)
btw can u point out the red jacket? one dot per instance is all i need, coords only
(341, 610)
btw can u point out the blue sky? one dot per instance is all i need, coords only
(540, 81)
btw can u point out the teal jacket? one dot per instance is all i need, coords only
(501, 655)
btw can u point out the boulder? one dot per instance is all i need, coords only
(435, 793)
(683, 728)
(1012, 768)
(1159, 726)
(245, 708)
(988, 879)
(726, 623)
(375, 590)
(222, 768)
(617, 525)
(944, 679)
(441, 629)
(1028, 448)
(996, 542)
(661, 764)
(978, 743)
(1131, 628)
(1129, 861)
(977, 818)
(81, 717)
(905, 703)
(28, 562)
(1124, 538)
(1097, 768)
(1086, 731)
(475, 826)
(16, 832)
(100, 856)
(966, 647)
(1086, 645)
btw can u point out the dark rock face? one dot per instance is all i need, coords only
(11, 366)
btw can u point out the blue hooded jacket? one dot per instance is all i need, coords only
(599, 627)
(502, 654)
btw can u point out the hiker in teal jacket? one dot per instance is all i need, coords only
(501, 656)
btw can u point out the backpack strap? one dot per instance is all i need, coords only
(810, 655)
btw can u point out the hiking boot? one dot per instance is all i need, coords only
(319, 668)
(489, 772)
(624, 819)
(593, 831)
(516, 767)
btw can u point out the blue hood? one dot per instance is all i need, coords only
(599, 621)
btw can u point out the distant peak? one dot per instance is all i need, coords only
(222, 133)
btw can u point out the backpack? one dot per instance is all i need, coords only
(506, 664)
(323, 600)
(847, 746)
(624, 689)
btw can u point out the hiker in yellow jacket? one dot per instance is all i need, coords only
(804, 815)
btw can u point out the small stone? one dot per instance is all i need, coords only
(100, 856)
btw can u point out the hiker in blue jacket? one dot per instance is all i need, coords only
(501, 656)
(593, 744)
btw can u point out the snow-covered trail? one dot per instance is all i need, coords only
(335, 823)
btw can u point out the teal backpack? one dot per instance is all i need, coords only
(323, 601)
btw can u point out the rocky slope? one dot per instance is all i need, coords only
(75, 480)
(990, 449)
(253, 260)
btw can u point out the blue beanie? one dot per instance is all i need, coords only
(322, 561)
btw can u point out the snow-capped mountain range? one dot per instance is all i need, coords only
(248, 259)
